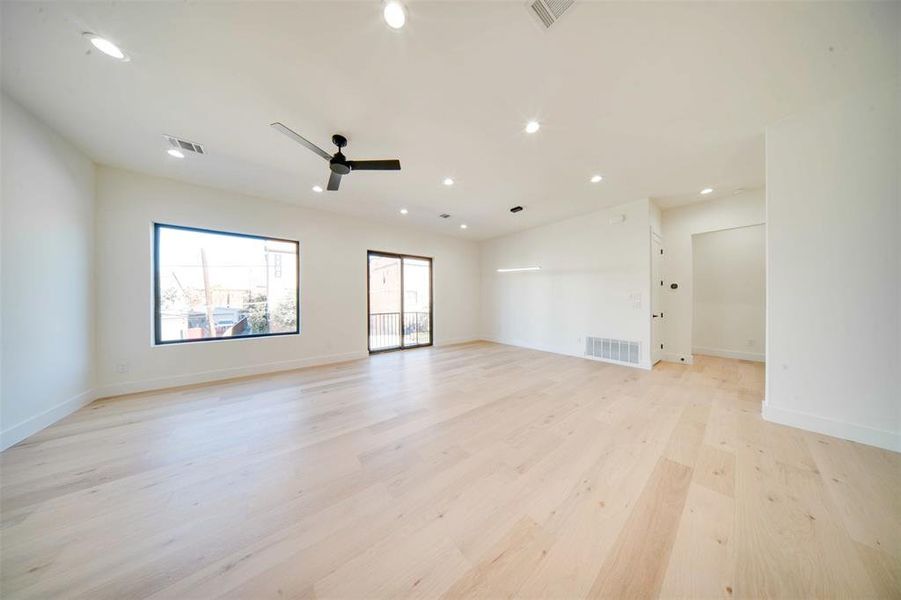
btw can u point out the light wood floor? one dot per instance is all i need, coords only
(469, 471)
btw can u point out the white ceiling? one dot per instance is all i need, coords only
(662, 99)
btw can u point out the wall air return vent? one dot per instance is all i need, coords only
(549, 11)
(181, 144)
(613, 350)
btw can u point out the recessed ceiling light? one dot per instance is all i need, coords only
(404, 211)
(463, 226)
(106, 46)
(596, 178)
(706, 191)
(174, 152)
(395, 15)
(448, 181)
(317, 189)
(532, 126)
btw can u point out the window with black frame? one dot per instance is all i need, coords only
(215, 285)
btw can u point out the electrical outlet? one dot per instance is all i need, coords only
(122, 368)
(750, 343)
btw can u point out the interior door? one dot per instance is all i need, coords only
(656, 298)
(400, 301)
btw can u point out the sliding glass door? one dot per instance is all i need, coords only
(400, 301)
(384, 301)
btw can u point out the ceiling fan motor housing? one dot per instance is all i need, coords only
(338, 164)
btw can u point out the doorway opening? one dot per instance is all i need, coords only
(729, 293)
(399, 297)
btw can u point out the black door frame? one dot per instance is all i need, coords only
(401, 257)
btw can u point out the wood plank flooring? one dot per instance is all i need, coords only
(478, 471)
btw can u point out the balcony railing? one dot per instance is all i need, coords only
(385, 330)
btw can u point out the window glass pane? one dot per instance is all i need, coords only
(217, 285)
(417, 301)
(384, 302)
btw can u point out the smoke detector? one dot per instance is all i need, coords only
(549, 12)
(180, 144)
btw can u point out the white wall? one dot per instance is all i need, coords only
(729, 289)
(590, 268)
(679, 225)
(834, 269)
(333, 282)
(46, 295)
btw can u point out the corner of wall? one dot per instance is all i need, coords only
(49, 184)
(18, 432)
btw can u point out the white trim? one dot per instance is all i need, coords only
(642, 365)
(457, 341)
(177, 343)
(677, 358)
(145, 385)
(15, 434)
(870, 436)
(29, 427)
(729, 228)
(730, 354)
(647, 367)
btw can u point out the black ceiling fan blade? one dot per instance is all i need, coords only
(301, 140)
(374, 165)
(334, 180)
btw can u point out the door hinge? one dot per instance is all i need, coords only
(661, 251)
(661, 346)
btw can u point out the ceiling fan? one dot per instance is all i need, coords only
(338, 163)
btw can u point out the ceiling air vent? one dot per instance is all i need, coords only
(184, 144)
(444, 216)
(548, 11)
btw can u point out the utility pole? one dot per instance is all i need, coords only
(208, 294)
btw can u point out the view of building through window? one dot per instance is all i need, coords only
(214, 285)
(400, 301)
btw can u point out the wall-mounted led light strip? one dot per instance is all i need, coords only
(515, 269)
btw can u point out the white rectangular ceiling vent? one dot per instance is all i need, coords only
(184, 144)
(549, 11)
(622, 351)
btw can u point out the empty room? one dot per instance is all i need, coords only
(376, 299)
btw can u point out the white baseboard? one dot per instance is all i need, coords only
(457, 341)
(15, 434)
(19, 432)
(519, 344)
(682, 359)
(756, 357)
(870, 436)
(159, 383)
